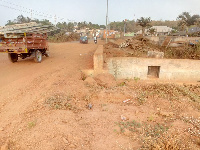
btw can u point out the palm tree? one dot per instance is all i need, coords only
(144, 22)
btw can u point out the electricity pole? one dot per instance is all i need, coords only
(107, 24)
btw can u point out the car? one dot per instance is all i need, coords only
(84, 39)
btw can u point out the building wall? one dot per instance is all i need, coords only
(170, 69)
(174, 39)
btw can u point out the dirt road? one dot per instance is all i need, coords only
(25, 84)
(50, 106)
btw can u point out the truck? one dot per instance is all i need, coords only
(25, 40)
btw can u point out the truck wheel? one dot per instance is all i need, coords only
(13, 57)
(38, 56)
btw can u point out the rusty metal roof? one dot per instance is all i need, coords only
(31, 27)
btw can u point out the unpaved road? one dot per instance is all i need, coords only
(25, 83)
(44, 106)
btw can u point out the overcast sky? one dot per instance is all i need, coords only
(95, 10)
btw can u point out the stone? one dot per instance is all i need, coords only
(65, 141)
(72, 146)
(89, 106)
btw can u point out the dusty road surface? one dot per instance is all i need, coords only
(53, 106)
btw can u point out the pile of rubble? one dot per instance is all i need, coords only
(142, 47)
(125, 44)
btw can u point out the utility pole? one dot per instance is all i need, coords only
(124, 28)
(107, 24)
(55, 20)
(31, 14)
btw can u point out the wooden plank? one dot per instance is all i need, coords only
(28, 28)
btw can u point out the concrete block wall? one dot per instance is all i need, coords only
(169, 69)
(98, 60)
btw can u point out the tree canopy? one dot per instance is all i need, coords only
(144, 22)
(21, 19)
(186, 20)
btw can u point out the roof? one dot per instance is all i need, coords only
(159, 29)
(31, 27)
(162, 28)
(193, 30)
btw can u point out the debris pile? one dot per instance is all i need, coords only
(142, 47)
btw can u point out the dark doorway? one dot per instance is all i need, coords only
(153, 71)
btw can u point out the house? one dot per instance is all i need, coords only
(159, 30)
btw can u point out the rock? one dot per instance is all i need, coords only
(123, 118)
(65, 141)
(106, 80)
(89, 106)
(72, 146)
(90, 81)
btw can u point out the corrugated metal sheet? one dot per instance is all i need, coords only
(31, 27)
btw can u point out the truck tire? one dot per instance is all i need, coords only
(13, 57)
(38, 56)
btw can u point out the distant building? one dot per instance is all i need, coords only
(159, 30)
(194, 30)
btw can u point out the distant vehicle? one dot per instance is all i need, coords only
(95, 40)
(84, 40)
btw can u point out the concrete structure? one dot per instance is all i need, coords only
(159, 30)
(183, 70)
(161, 39)
(98, 60)
(163, 69)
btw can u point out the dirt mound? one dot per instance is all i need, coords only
(111, 45)
(140, 46)
(62, 37)
(106, 80)
(90, 81)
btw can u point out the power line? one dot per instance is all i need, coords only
(29, 10)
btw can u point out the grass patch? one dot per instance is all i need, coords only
(32, 124)
(167, 91)
(145, 129)
(60, 101)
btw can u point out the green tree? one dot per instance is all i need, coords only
(144, 22)
(21, 19)
(152, 31)
(70, 27)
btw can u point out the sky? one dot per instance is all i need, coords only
(95, 10)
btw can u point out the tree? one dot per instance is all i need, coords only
(144, 22)
(18, 20)
(70, 27)
(152, 31)
(102, 26)
(186, 20)
(21, 19)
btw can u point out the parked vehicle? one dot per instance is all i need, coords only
(20, 42)
(84, 39)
